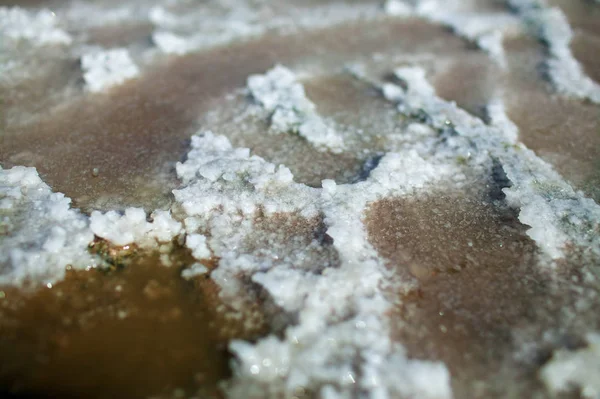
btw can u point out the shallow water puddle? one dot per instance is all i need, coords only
(132, 332)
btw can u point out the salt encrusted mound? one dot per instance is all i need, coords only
(40, 27)
(40, 235)
(550, 25)
(290, 111)
(220, 176)
(342, 331)
(106, 68)
(132, 227)
(578, 369)
(194, 270)
(559, 216)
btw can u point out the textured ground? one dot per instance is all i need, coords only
(300, 199)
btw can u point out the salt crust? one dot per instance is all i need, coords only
(197, 243)
(40, 27)
(559, 216)
(551, 26)
(132, 227)
(289, 110)
(342, 331)
(194, 270)
(39, 233)
(340, 311)
(106, 68)
(578, 369)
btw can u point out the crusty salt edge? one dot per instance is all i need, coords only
(40, 234)
(484, 29)
(132, 227)
(550, 25)
(289, 110)
(577, 369)
(342, 330)
(103, 69)
(559, 216)
(232, 179)
(39, 28)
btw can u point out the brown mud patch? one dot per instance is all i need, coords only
(479, 286)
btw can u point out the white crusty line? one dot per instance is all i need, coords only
(550, 25)
(246, 24)
(558, 215)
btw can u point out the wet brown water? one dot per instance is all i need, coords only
(133, 332)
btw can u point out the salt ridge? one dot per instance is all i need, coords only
(558, 215)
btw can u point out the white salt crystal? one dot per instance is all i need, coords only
(569, 370)
(283, 97)
(41, 234)
(197, 243)
(40, 27)
(194, 270)
(132, 227)
(106, 68)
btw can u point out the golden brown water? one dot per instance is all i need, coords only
(134, 332)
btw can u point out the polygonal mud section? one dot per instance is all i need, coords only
(481, 296)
